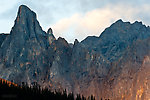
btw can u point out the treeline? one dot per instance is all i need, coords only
(24, 92)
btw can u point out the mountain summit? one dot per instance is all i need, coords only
(27, 24)
(23, 50)
(114, 65)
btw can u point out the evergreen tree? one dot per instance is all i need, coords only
(34, 92)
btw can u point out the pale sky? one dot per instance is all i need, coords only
(76, 19)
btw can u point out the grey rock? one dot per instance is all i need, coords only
(2, 37)
(114, 65)
(51, 37)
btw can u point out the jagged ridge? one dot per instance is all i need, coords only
(108, 66)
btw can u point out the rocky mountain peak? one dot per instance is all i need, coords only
(51, 37)
(26, 23)
(137, 23)
(76, 42)
(24, 13)
(23, 9)
(26, 33)
(120, 24)
(50, 31)
(119, 21)
(62, 41)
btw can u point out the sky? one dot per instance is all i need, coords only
(76, 19)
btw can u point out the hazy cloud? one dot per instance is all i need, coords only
(95, 21)
(76, 18)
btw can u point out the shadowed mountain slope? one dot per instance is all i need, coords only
(114, 65)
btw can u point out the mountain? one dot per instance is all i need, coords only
(24, 50)
(2, 37)
(114, 65)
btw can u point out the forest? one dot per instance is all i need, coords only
(11, 91)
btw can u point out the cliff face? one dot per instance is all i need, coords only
(24, 51)
(2, 37)
(114, 65)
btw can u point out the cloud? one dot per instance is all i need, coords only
(95, 21)
(76, 18)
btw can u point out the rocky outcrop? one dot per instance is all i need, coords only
(2, 37)
(24, 52)
(114, 65)
(51, 37)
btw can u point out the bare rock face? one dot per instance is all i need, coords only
(51, 37)
(2, 37)
(24, 51)
(113, 66)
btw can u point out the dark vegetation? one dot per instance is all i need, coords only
(24, 92)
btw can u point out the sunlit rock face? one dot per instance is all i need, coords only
(128, 78)
(115, 65)
(122, 48)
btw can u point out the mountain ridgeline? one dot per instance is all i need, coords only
(115, 65)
